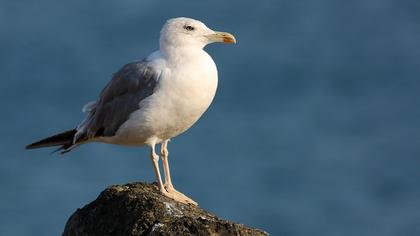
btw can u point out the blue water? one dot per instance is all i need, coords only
(315, 129)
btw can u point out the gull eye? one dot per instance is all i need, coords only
(189, 27)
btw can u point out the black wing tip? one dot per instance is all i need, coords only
(60, 151)
(33, 146)
(39, 144)
(64, 139)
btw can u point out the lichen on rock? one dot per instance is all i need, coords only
(139, 209)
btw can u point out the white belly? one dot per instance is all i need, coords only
(182, 96)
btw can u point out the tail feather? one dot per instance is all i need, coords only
(64, 139)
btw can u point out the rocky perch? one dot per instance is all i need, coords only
(139, 209)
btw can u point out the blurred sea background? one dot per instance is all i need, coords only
(315, 129)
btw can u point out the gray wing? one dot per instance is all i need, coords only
(121, 97)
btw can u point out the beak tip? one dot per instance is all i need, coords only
(229, 40)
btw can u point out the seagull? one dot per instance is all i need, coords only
(150, 101)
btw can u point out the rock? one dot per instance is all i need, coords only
(139, 209)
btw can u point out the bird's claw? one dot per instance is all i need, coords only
(172, 193)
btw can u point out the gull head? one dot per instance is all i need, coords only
(187, 32)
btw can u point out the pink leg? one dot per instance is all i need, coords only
(168, 182)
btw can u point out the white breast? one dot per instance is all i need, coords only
(186, 88)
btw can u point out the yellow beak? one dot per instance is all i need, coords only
(222, 37)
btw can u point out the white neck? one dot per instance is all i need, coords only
(175, 54)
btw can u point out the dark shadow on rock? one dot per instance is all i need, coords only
(139, 209)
